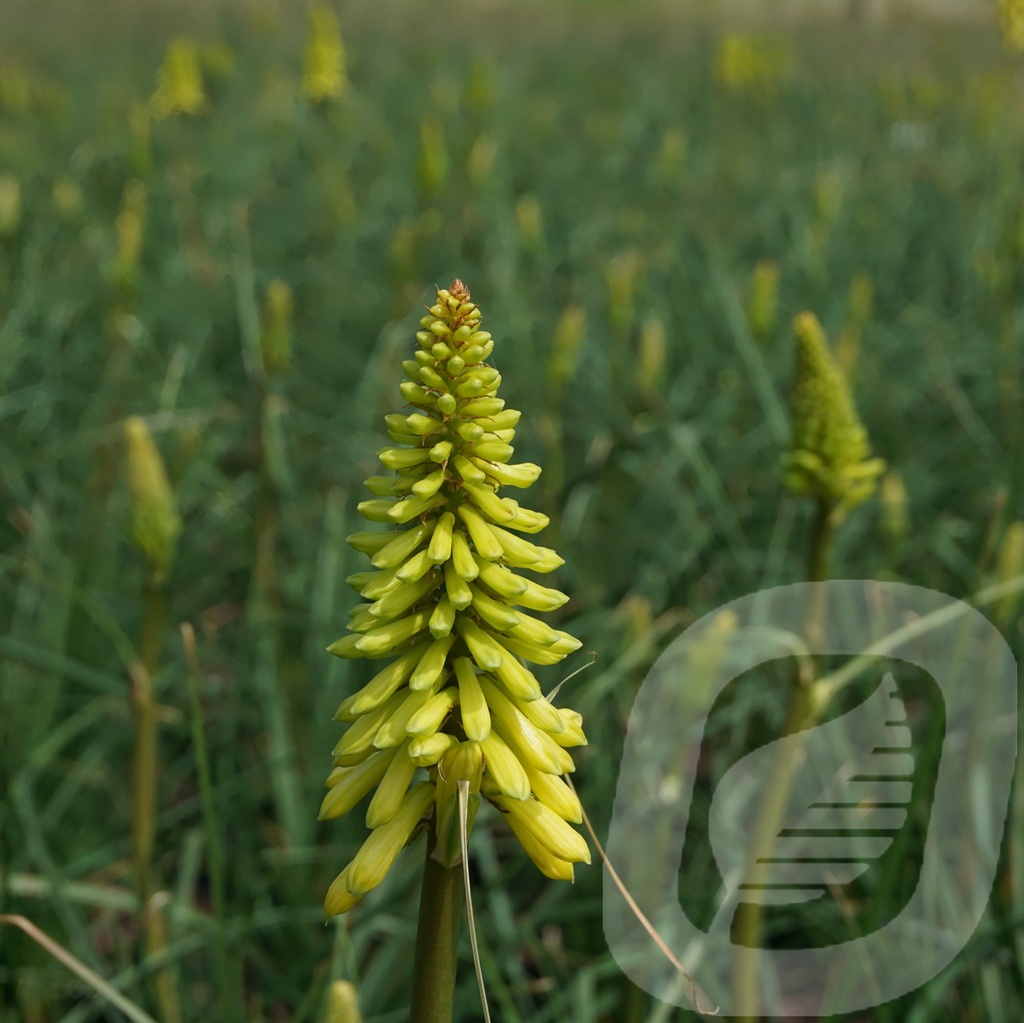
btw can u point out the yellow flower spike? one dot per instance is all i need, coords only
(323, 63)
(445, 605)
(179, 82)
(829, 452)
(374, 859)
(155, 521)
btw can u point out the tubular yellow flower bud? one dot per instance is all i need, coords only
(342, 1003)
(829, 452)
(378, 852)
(155, 521)
(442, 603)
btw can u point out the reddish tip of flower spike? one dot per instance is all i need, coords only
(459, 290)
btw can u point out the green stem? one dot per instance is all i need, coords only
(801, 714)
(144, 761)
(144, 792)
(433, 985)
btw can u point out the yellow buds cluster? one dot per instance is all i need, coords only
(447, 602)
(829, 450)
(432, 161)
(1011, 24)
(10, 204)
(155, 521)
(179, 82)
(323, 63)
(895, 502)
(743, 62)
(276, 338)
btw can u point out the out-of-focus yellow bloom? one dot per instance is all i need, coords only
(155, 521)
(10, 204)
(179, 82)
(895, 502)
(743, 62)
(342, 1003)
(432, 162)
(530, 218)
(763, 304)
(323, 65)
(1011, 24)
(565, 344)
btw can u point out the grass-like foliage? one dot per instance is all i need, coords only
(643, 204)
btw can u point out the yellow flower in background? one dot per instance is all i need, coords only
(10, 204)
(763, 303)
(154, 516)
(1011, 24)
(323, 63)
(448, 606)
(276, 336)
(743, 62)
(179, 82)
(829, 456)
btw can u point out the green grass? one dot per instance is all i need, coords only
(663, 488)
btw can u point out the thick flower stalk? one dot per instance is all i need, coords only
(449, 610)
(829, 451)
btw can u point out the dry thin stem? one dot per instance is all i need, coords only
(695, 991)
(77, 967)
(463, 787)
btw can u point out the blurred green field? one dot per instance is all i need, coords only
(606, 182)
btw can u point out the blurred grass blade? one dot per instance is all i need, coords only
(77, 967)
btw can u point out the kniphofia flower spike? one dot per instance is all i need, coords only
(447, 608)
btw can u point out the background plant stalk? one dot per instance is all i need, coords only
(802, 713)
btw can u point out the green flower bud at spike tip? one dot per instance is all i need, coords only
(155, 522)
(829, 452)
(448, 609)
